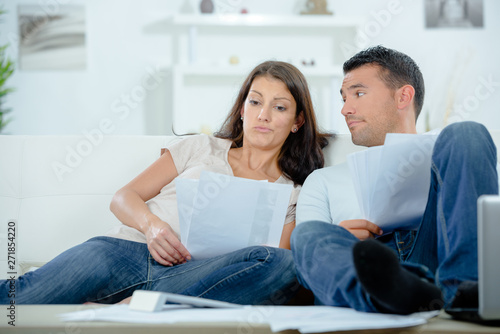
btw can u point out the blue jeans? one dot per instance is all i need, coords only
(442, 250)
(107, 270)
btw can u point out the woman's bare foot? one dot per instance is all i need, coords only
(125, 301)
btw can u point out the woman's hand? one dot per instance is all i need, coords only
(361, 228)
(129, 206)
(164, 245)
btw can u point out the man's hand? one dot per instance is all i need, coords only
(164, 245)
(361, 228)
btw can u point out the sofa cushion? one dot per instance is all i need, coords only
(58, 188)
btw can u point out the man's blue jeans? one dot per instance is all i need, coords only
(444, 247)
(107, 270)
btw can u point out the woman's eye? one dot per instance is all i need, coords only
(253, 102)
(280, 108)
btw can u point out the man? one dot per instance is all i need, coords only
(347, 261)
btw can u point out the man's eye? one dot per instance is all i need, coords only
(358, 94)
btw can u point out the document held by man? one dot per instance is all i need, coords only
(392, 181)
(221, 213)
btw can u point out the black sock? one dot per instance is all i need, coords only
(393, 289)
(467, 295)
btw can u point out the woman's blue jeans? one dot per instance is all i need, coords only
(443, 249)
(107, 270)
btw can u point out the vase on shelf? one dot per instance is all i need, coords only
(206, 6)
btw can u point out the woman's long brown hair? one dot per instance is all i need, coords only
(302, 151)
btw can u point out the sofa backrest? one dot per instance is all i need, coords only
(58, 188)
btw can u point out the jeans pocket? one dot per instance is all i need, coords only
(404, 243)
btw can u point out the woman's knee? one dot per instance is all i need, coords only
(278, 257)
(282, 275)
(283, 260)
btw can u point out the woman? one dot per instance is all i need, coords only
(270, 134)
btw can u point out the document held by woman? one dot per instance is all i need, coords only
(221, 213)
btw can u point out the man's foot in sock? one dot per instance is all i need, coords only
(392, 288)
(467, 295)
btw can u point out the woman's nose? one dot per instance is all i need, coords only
(265, 114)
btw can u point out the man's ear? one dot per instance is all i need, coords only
(404, 96)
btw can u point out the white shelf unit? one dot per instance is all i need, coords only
(192, 62)
(234, 70)
(255, 20)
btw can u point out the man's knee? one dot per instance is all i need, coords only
(296, 237)
(303, 234)
(464, 132)
(470, 138)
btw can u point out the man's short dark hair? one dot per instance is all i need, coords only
(397, 70)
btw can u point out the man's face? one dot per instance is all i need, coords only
(370, 107)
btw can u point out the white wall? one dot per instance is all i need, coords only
(455, 62)
(123, 57)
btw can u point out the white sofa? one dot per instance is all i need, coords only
(58, 188)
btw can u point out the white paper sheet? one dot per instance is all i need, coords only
(221, 213)
(392, 181)
(318, 319)
(306, 319)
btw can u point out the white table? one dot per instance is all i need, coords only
(43, 319)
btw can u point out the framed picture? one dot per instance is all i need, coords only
(52, 40)
(454, 14)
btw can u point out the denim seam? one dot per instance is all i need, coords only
(119, 291)
(409, 244)
(237, 273)
(182, 272)
(440, 213)
(148, 278)
(405, 248)
(397, 237)
(147, 281)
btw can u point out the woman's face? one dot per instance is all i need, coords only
(268, 114)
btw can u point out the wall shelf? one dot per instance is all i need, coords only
(255, 20)
(242, 71)
(204, 43)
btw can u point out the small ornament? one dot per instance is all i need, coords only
(206, 129)
(207, 6)
(234, 60)
(244, 11)
(317, 7)
(308, 63)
